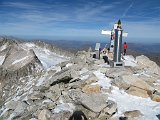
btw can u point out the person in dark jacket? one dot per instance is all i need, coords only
(125, 46)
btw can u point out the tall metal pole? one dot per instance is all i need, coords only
(118, 45)
(118, 33)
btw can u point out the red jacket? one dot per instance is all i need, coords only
(125, 46)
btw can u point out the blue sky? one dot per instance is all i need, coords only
(80, 19)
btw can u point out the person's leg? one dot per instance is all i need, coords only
(124, 52)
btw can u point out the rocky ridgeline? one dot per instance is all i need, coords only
(13, 67)
(53, 48)
(80, 84)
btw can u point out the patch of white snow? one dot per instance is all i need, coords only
(30, 44)
(48, 58)
(102, 80)
(126, 102)
(47, 101)
(129, 61)
(3, 47)
(17, 61)
(2, 59)
(69, 64)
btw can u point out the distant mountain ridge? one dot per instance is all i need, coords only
(138, 47)
(150, 50)
(153, 48)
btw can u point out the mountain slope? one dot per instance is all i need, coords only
(82, 83)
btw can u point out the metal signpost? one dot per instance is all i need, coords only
(116, 39)
(97, 49)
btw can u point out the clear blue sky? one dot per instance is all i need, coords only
(79, 19)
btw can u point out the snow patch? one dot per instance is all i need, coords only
(102, 80)
(158, 81)
(48, 58)
(30, 44)
(3, 47)
(2, 59)
(47, 101)
(69, 64)
(83, 75)
(129, 61)
(17, 61)
(126, 102)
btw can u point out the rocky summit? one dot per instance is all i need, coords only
(41, 82)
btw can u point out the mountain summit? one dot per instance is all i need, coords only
(41, 82)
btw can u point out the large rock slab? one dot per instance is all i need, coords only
(11, 105)
(137, 92)
(13, 109)
(44, 115)
(109, 111)
(91, 79)
(36, 95)
(64, 75)
(19, 63)
(54, 92)
(116, 72)
(132, 114)
(137, 82)
(20, 108)
(111, 107)
(93, 102)
(132, 80)
(18, 57)
(64, 115)
(98, 62)
(145, 63)
(15, 105)
(156, 97)
(91, 89)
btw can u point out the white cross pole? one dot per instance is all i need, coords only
(109, 33)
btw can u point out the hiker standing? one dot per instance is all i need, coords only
(104, 56)
(125, 46)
